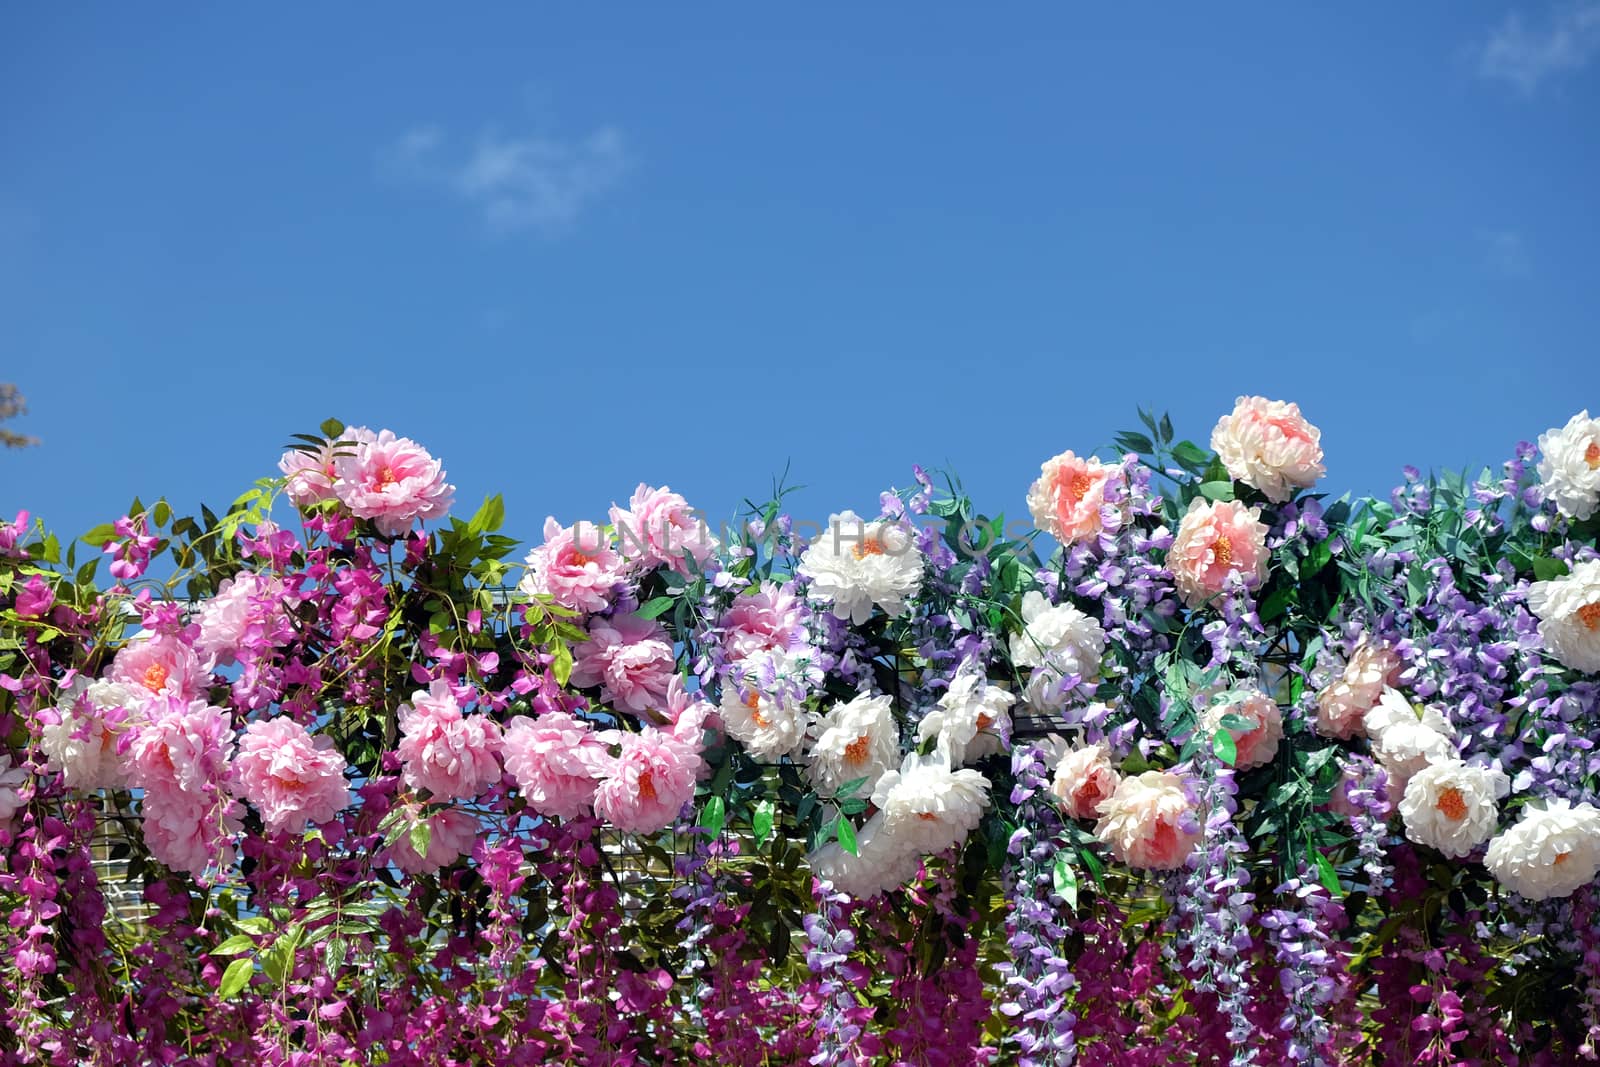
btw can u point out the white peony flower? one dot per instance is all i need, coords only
(855, 740)
(1394, 709)
(972, 719)
(881, 863)
(1569, 616)
(83, 745)
(12, 779)
(929, 807)
(1450, 805)
(1268, 445)
(769, 723)
(855, 564)
(1551, 851)
(1059, 640)
(1407, 737)
(1569, 465)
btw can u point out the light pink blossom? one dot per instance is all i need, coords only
(180, 758)
(1268, 445)
(247, 610)
(158, 669)
(1216, 541)
(647, 785)
(450, 754)
(393, 481)
(1084, 779)
(1067, 498)
(630, 658)
(1254, 745)
(577, 567)
(1342, 705)
(557, 760)
(1149, 822)
(311, 474)
(291, 777)
(769, 618)
(660, 527)
(451, 833)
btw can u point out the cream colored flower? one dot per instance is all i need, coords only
(1552, 851)
(1085, 779)
(1341, 705)
(929, 807)
(855, 565)
(1450, 805)
(972, 719)
(1268, 445)
(1569, 465)
(1255, 745)
(1569, 616)
(881, 863)
(770, 725)
(855, 740)
(1149, 822)
(1406, 738)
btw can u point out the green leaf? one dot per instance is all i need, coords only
(655, 606)
(1231, 721)
(1217, 490)
(235, 978)
(1545, 569)
(1328, 876)
(331, 428)
(333, 957)
(1134, 442)
(715, 814)
(489, 516)
(847, 837)
(421, 836)
(1065, 880)
(762, 821)
(234, 945)
(1190, 456)
(1225, 748)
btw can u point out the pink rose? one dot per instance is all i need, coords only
(1342, 706)
(1085, 779)
(1214, 542)
(451, 833)
(576, 567)
(290, 777)
(648, 784)
(1149, 822)
(451, 755)
(661, 527)
(393, 481)
(1268, 445)
(630, 659)
(1255, 745)
(557, 760)
(769, 618)
(1067, 499)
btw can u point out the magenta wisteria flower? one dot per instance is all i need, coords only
(1217, 541)
(557, 760)
(629, 658)
(659, 526)
(1268, 445)
(392, 481)
(291, 777)
(647, 784)
(451, 754)
(577, 567)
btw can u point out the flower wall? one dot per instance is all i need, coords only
(1191, 765)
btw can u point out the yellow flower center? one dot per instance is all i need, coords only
(1222, 548)
(927, 816)
(753, 702)
(1452, 804)
(155, 677)
(1589, 615)
(867, 546)
(580, 560)
(985, 720)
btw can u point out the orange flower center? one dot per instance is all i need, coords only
(1591, 455)
(580, 560)
(856, 751)
(985, 720)
(867, 546)
(1223, 550)
(386, 478)
(753, 702)
(1589, 615)
(1078, 486)
(927, 816)
(1452, 804)
(1561, 857)
(647, 785)
(155, 677)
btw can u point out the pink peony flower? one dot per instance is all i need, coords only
(557, 760)
(311, 474)
(1067, 498)
(1255, 745)
(576, 567)
(393, 481)
(767, 619)
(661, 527)
(647, 785)
(247, 610)
(1268, 445)
(630, 658)
(1216, 541)
(1342, 706)
(451, 755)
(180, 759)
(290, 777)
(1084, 780)
(160, 668)
(1149, 822)
(451, 833)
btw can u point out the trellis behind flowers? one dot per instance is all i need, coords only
(1196, 767)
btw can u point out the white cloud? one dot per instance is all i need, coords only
(536, 181)
(1526, 56)
(1505, 253)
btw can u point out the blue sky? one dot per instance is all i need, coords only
(572, 250)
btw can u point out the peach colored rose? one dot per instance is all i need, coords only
(1255, 745)
(1067, 498)
(1085, 779)
(1341, 706)
(1268, 445)
(1214, 541)
(1149, 822)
